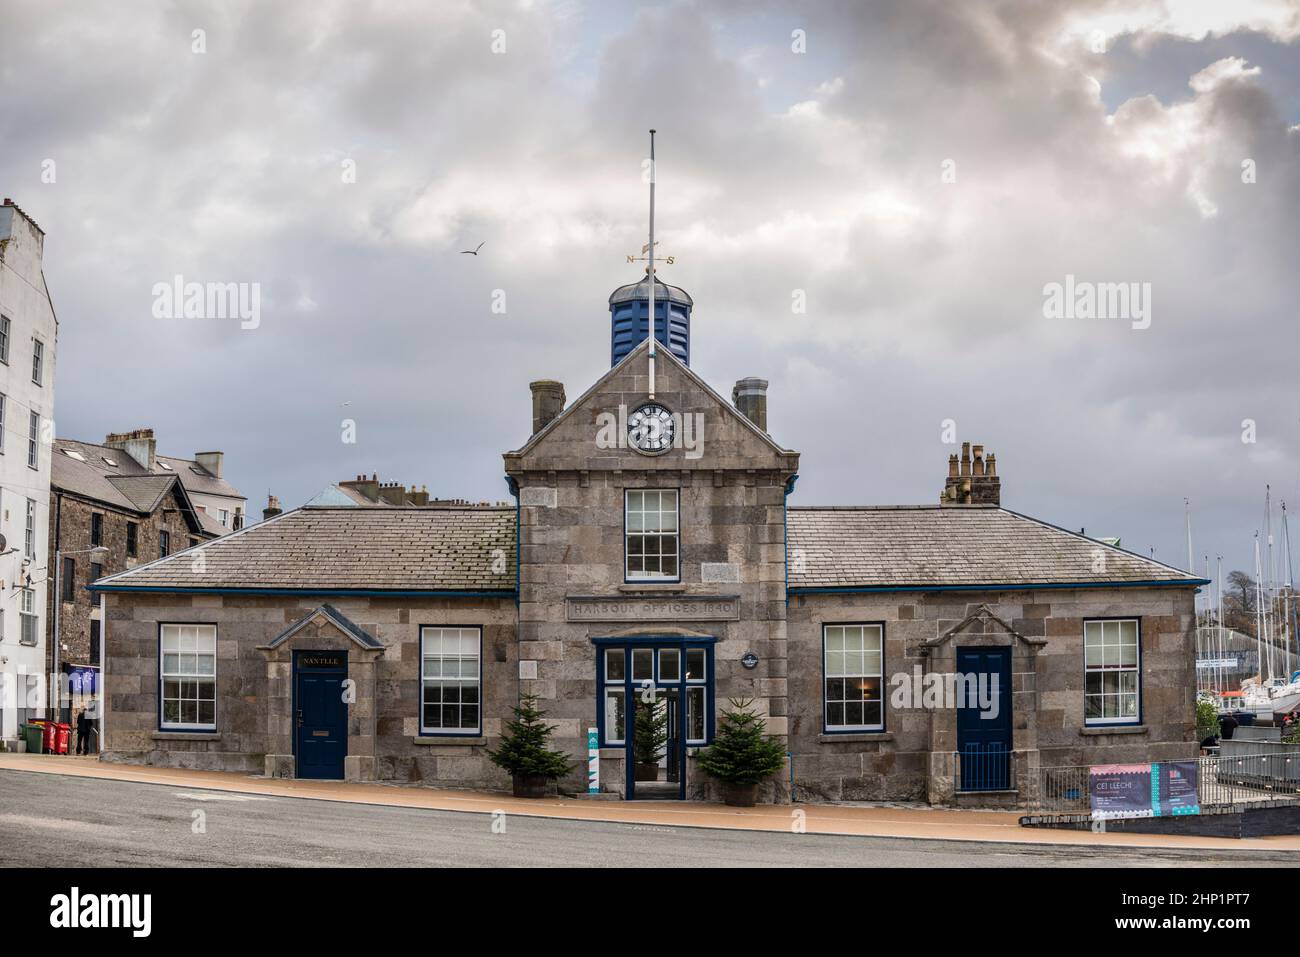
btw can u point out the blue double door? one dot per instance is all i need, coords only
(320, 713)
(984, 719)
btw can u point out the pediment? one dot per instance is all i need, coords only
(323, 619)
(982, 621)
(590, 435)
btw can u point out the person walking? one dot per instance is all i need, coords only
(84, 727)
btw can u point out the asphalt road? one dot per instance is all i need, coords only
(49, 820)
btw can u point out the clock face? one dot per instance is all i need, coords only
(650, 429)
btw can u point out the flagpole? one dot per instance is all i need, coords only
(650, 269)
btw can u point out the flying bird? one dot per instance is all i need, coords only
(474, 251)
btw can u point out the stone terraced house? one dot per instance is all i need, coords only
(652, 563)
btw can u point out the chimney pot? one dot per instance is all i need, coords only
(548, 402)
(749, 396)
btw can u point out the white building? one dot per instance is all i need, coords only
(28, 343)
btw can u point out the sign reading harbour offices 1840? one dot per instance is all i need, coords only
(654, 608)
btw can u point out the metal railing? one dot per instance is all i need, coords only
(1221, 780)
(983, 767)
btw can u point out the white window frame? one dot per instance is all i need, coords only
(5, 330)
(852, 665)
(33, 439)
(615, 688)
(182, 650)
(38, 361)
(635, 526)
(29, 530)
(4, 402)
(460, 679)
(1095, 635)
(698, 683)
(28, 618)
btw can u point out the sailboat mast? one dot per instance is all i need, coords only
(1259, 611)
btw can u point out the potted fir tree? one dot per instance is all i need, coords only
(742, 754)
(649, 735)
(524, 754)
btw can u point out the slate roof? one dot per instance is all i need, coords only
(196, 478)
(910, 546)
(472, 548)
(144, 492)
(86, 477)
(346, 549)
(112, 477)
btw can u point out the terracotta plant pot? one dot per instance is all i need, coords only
(739, 795)
(646, 772)
(530, 785)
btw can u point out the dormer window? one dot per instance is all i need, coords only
(651, 535)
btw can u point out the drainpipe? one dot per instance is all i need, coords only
(103, 675)
(785, 534)
(56, 603)
(513, 483)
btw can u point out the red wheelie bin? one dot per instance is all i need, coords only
(62, 734)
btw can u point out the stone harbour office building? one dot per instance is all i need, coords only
(653, 562)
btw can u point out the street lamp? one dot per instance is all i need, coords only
(99, 551)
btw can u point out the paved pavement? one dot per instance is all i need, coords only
(53, 820)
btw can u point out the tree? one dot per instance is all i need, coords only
(650, 733)
(523, 749)
(742, 752)
(1239, 602)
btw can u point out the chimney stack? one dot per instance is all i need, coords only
(548, 402)
(392, 494)
(272, 508)
(749, 396)
(972, 480)
(212, 461)
(139, 444)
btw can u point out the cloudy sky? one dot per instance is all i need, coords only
(919, 170)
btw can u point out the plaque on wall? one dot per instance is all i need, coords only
(654, 608)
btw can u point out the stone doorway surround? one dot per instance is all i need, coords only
(324, 628)
(984, 629)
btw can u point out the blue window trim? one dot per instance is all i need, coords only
(658, 580)
(306, 592)
(419, 718)
(216, 681)
(884, 697)
(1083, 653)
(655, 642)
(878, 589)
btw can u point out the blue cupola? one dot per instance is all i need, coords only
(628, 307)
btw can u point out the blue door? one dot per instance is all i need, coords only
(984, 719)
(320, 713)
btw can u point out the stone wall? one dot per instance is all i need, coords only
(912, 758)
(732, 543)
(71, 517)
(254, 722)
